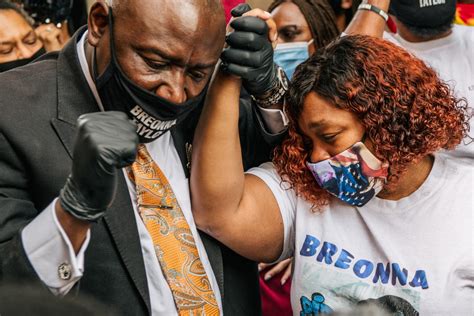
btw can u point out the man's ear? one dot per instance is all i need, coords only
(98, 22)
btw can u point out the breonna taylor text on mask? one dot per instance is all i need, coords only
(147, 126)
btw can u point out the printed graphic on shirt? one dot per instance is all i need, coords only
(314, 306)
(385, 305)
(335, 279)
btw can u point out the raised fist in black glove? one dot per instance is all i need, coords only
(249, 54)
(105, 142)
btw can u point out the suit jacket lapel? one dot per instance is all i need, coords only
(122, 225)
(66, 133)
(74, 99)
(74, 95)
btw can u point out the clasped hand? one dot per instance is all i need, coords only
(252, 36)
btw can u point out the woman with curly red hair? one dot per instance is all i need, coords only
(357, 192)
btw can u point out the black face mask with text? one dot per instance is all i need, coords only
(21, 62)
(153, 115)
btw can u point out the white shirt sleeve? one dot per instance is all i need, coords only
(391, 38)
(51, 253)
(287, 202)
(275, 120)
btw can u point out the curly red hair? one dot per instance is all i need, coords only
(406, 110)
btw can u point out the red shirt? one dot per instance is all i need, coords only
(465, 14)
(275, 297)
(229, 5)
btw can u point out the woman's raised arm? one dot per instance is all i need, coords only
(238, 210)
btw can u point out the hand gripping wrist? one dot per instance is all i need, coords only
(263, 82)
(249, 54)
(277, 91)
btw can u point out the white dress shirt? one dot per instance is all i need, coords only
(52, 255)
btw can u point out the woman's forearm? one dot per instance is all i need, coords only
(217, 175)
(367, 22)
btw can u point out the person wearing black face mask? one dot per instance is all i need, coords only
(95, 154)
(153, 114)
(19, 44)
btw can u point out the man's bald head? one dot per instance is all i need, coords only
(208, 8)
(167, 46)
(189, 19)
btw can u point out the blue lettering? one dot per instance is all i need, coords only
(344, 259)
(309, 246)
(363, 264)
(382, 273)
(362, 268)
(401, 275)
(420, 280)
(327, 251)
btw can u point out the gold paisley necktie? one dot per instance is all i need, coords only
(174, 243)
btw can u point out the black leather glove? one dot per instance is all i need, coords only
(105, 142)
(250, 53)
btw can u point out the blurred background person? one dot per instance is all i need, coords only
(53, 21)
(19, 44)
(68, 15)
(303, 27)
(23, 39)
(53, 37)
(343, 11)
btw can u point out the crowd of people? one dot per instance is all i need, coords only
(209, 158)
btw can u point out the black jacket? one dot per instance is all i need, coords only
(39, 106)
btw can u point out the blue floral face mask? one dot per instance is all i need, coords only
(289, 55)
(354, 176)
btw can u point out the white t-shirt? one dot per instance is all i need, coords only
(453, 59)
(418, 250)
